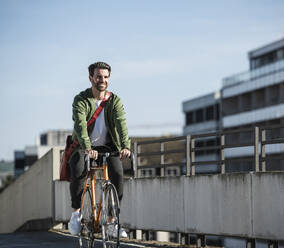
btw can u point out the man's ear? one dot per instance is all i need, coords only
(90, 78)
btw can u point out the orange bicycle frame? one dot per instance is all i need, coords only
(91, 174)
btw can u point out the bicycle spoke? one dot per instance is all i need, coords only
(110, 222)
(87, 232)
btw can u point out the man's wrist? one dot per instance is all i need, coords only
(87, 150)
(125, 148)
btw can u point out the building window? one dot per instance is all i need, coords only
(280, 54)
(197, 145)
(230, 105)
(43, 139)
(246, 102)
(259, 98)
(273, 94)
(158, 171)
(210, 113)
(199, 115)
(210, 143)
(189, 118)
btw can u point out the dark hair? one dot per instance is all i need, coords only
(100, 65)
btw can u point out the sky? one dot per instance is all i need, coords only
(162, 53)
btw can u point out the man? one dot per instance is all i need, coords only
(109, 129)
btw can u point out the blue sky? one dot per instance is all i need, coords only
(162, 53)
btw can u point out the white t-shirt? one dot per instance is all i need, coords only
(99, 135)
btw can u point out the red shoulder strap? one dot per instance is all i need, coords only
(99, 109)
(91, 121)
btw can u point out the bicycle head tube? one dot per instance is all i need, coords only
(87, 161)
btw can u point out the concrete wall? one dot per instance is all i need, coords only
(246, 205)
(237, 204)
(268, 205)
(62, 201)
(31, 196)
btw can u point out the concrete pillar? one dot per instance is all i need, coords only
(183, 238)
(145, 235)
(138, 234)
(162, 236)
(132, 234)
(272, 244)
(250, 243)
(200, 241)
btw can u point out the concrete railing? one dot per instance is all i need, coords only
(242, 205)
(248, 205)
(257, 145)
(31, 196)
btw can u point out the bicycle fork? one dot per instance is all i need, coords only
(104, 221)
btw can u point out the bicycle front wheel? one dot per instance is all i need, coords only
(87, 232)
(110, 217)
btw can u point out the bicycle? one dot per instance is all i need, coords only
(96, 218)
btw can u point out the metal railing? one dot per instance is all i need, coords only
(259, 146)
(138, 154)
(253, 74)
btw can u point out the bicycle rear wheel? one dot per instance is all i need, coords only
(110, 217)
(87, 232)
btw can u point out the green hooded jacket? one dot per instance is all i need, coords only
(83, 110)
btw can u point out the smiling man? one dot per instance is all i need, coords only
(109, 129)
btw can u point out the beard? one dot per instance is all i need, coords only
(101, 87)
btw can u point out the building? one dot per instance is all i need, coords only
(255, 98)
(247, 99)
(54, 137)
(202, 115)
(6, 170)
(31, 153)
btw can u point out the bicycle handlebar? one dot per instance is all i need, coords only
(109, 154)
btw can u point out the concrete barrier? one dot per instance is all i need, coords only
(246, 205)
(31, 196)
(239, 204)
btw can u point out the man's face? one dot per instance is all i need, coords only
(100, 79)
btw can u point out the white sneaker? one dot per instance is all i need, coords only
(122, 233)
(75, 223)
(112, 231)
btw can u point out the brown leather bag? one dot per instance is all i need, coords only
(64, 166)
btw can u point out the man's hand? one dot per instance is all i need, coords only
(92, 153)
(124, 153)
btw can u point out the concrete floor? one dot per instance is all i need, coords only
(44, 240)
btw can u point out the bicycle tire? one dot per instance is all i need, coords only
(87, 232)
(110, 216)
